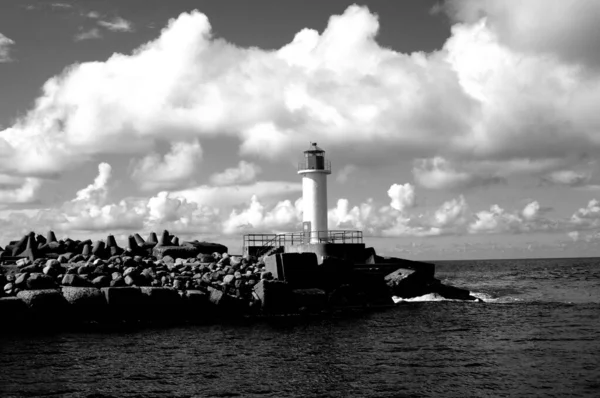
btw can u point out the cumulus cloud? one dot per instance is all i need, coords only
(174, 169)
(244, 172)
(402, 196)
(90, 34)
(285, 216)
(235, 195)
(18, 190)
(98, 190)
(452, 213)
(529, 219)
(476, 98)
(5, 44)
(117, 24)
(569, 29)
(438, 173)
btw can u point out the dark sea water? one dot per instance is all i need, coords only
(537, 335)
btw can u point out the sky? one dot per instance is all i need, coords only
(456, 129)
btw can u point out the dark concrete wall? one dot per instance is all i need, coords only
(354, 252)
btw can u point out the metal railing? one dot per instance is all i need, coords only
(303, 165)
(265, 242)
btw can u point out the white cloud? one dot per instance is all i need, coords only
(402, 196)
(244, 172)
(234, 195)
(574, 235)
(451, 214)
(175, 169)
(90, 34)
(61, 5)
(568, 29)
(98, 190)
(567, 177)
(93, 15)
(475, 99)
(117, 24)
(5, 44)
(357, 217)
(285, 216)
(18, 190)
(438, 173)
(531, 211)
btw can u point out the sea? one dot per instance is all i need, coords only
(536, 334)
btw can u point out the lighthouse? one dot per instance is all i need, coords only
(314, 170)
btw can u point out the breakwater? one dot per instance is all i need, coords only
(162, 279)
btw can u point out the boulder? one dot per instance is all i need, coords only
(151, 241)
(225, 303)
(40, 281)
(407, 283)
(23, 262)
(138, 239)
(99, 249)
(51, 237)
(175, 251)
(451, 292)
(101, 281)
(164, 240)
(30, 251)
(9, 289)
(86, 250)
(18, 246)
(21, 280)
(206, 247)
(74, 280)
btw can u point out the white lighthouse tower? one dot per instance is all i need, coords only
(314, 170)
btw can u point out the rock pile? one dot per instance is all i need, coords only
(159, 278)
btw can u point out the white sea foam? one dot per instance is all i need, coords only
(426, 297)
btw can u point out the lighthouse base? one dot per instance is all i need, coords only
(353, 252)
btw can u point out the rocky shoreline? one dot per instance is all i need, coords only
(160, 279)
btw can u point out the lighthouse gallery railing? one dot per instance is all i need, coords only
(264, 242)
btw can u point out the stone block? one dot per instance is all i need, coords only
(275, 296)
(124, 303)
(14, 312)
(225, 304)
(161, 303)
(426, 269)
(45, 305)
(87, 303)
(311, 300)
(300, 270)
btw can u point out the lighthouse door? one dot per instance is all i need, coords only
(306, 230)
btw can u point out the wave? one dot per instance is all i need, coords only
(434, 297)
